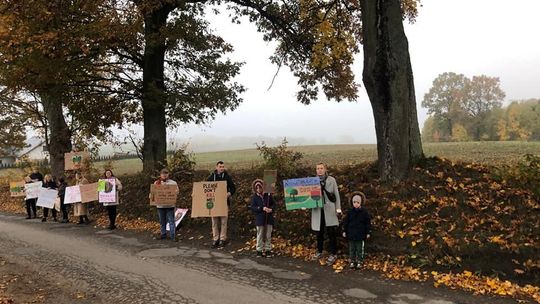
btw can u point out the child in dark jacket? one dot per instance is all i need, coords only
(262, 204)
(357, 229)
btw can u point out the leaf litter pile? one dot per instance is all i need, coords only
(450, 223)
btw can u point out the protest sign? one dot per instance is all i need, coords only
(73, 195)
(270, 178)
(163, 195)
(302, 193)
(89, 192)
(75, 160)
(47, 197)
(32, 189)
(16, 189)
(107, 191)
(179, 215)
(209, 199)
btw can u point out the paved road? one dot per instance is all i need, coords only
(130, 267)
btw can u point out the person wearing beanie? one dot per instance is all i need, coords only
(262, 205)
(357, 229)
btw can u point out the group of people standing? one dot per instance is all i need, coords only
(325, 221)
(80, 210)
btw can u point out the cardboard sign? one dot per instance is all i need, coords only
(16, 189)
(179, 215)
(209, 199)
(107, 191)
(302, 193)
(75, 160)
(47, 197)
(89, 192)
(163, 195)
(270, 178)
(32, 189)
(73, 195)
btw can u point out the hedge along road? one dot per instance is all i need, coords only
(130, 267)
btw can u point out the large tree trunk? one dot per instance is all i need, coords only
(154, 97)
(389, 83)
(60, 135)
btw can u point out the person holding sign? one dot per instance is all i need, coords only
(219, 223)
(49, 183)
(325, 218)
(262, 204)
(111, 207)
(165, 213)
(80, 209)
(35, 176)
(61, 194)
(31, 208)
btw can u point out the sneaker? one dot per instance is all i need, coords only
(162, 237)
(64, 221)
(331, 259)
(352, 265)
(358, 265)
(268, 254)
(44, 219)
(259, 254)
(222, 244)
(215, 244)
(317, 256)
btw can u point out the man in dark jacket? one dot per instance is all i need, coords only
(219, 223)
(35, 176)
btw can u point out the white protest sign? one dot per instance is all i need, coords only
(73, 195)
(32, 189)
(47, 197)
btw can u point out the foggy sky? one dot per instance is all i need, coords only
(491, 37)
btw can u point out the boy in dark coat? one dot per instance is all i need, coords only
(262, 204)
(357, 229)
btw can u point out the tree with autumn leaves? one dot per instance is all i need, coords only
(156, 62)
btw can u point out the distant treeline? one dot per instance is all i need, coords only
(518, 121)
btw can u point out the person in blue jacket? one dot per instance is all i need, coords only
(357, 229)
(262, 204)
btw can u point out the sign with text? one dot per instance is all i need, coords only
(107, 191)
(47, 197)
(16, 189)
(209, 199)
(302, 193)
(73, 195)
(75, 160)
(163, 195)
(32, 189)
(270, 179)
(179, 215)
(89, 192)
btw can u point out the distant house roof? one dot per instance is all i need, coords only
(31, 144)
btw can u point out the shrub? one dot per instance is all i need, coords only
(181, 165)
(526, 174)
(280, 158)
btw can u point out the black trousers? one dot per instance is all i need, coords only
(332, 236)
(31, 207)
(111, 210)
(64, 209)
(46, 212)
